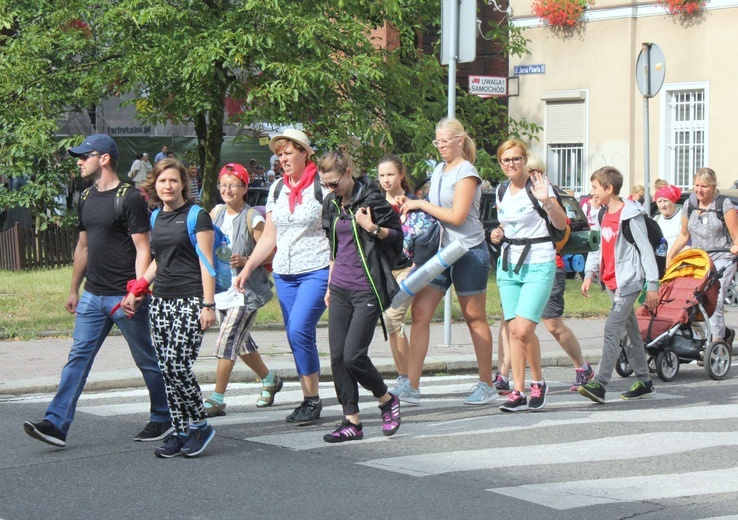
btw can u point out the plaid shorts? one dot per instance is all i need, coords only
(234, 338)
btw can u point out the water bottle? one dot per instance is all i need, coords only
(223, 271)
(661, 250)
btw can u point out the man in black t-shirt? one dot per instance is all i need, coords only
(112, 249)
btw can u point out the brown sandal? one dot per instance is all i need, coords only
(268, 392)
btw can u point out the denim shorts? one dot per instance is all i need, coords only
(525, 294)
(468, 274)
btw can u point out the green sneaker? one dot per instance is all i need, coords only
(594, 391)
(639, 390)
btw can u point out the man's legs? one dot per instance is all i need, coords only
(137, 331)
(91, 327)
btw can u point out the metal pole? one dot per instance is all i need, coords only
(646, 131)
(452, 60)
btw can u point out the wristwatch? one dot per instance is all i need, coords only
(376, 231)
(208, 305)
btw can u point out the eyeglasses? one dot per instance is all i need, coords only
(227, 187)
(443, 142)
(331, 185)
(512, 160)
(86, 156)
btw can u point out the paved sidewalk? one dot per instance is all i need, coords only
(34, 366)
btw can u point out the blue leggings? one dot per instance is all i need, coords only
(301, 297)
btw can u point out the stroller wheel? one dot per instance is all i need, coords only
(622, 366)
(667, 365)
(717, 359)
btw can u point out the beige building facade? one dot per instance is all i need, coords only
(579, 85)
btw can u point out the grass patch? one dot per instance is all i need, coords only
(32, 304)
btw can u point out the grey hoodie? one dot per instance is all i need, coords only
(631, 268)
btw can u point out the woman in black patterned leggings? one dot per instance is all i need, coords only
(182, 307)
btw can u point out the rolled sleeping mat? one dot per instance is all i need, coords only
(573, 263)
(423, 275)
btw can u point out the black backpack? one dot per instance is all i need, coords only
(119, 220)
(655, 238)
(555, 235)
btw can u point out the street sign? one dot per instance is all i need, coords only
(530, 69)
(650, 70)
(488, 86)
(466, 32)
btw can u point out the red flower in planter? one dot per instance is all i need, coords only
(561, 13)
(682, 6)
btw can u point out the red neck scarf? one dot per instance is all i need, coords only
(307, 179)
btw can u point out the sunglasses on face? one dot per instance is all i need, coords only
(86, 156)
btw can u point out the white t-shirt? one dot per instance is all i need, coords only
(520, 219)
(670, 227)
(231, 297)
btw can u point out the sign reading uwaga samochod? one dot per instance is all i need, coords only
(487, 86)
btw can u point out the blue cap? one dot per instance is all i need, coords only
(101, 143)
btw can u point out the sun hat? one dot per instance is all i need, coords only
(293, 135)
(96, 143)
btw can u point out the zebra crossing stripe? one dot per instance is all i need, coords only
(583, 493)
(625, 447)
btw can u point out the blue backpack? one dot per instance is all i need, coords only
(220, 239)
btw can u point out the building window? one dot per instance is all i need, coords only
(685, 136)
(565, 131)
(564, 165)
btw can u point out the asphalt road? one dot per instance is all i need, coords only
(672, 456)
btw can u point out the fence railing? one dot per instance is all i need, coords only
(22, 248)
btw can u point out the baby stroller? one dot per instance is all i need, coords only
(679, 331)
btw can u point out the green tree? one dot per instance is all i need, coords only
(309, 62)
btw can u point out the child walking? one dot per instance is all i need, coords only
(623, 267)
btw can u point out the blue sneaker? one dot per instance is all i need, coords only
(197, 440)
(172, 447)
(481, 393)
(407, 393)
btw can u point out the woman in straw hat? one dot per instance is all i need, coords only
(293, 225)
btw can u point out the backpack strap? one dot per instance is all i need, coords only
(249, 225)
(719, 200)
(191, 225)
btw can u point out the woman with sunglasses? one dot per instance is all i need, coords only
(455, 195)
(300, 265)
(366, 240)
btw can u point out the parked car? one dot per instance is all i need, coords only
(257, 197)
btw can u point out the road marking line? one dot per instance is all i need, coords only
(604, 449)
(583, 493)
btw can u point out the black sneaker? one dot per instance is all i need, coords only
(348, 431)
(309, 412)
(594, 391)
(172, 447)
(46, 432)
(155, 431)
(291, 417)
(538, 393)
(197, 440)
(516, 402)
(639, 390)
